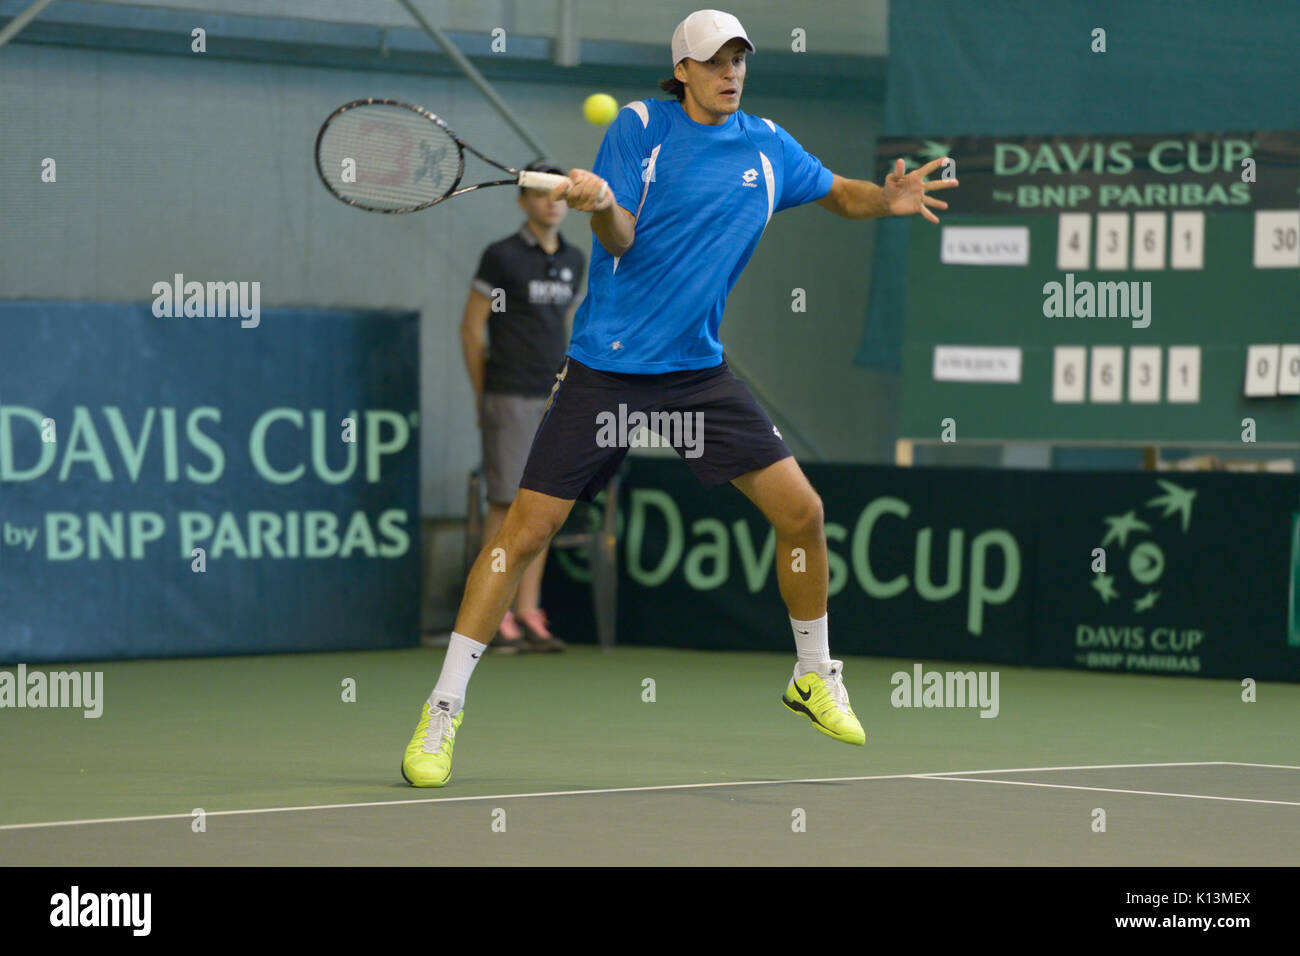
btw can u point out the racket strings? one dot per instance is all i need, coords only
(388, 157)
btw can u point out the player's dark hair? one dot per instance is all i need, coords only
(674, 86)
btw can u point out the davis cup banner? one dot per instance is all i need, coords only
(1246, 170)
(1167, 573)
(186, 485)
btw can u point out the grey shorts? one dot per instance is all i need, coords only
(509, 424)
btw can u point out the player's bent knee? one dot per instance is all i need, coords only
(531, 523)
(805, 516)
(527, 535)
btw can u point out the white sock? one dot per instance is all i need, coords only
(462, 655)
(811, 643)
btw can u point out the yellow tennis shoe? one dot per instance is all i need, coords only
(820, 696)
(428, 756)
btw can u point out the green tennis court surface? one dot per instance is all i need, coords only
(713, 771)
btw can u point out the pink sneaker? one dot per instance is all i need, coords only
(537, 633)
(509, 638)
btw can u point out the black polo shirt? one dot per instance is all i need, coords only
(526, 341)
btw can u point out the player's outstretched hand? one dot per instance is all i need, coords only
(585, 192)
(906, 193)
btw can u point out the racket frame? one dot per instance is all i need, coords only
(527, 178)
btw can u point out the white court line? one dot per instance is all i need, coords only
(1272, 766)
(1146, 793)
(1095, 766)
(570, 793)
(494, 796)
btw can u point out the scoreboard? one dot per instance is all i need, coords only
(1107, 289)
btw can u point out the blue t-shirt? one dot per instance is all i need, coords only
(702, 196)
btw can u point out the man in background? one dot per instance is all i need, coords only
(523, 295)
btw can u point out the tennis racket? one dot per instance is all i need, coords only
(392, 157)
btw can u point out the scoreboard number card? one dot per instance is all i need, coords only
(1261, 370)
(1112, 240)
(1073, 241)
(1277, 239)
(1288, 373)
(1187, 240)
(1107, 383)
(1069, 366)
(1149, 240)
(1144, 373)
(1184, 374)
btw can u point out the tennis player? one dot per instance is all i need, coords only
(679, 195)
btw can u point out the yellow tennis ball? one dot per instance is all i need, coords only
(600, 109)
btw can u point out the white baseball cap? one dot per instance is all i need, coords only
(703, 33)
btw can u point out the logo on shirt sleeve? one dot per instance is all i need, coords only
(748, 178)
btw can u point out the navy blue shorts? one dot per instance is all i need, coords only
(708, 416)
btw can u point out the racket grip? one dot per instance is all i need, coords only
(548, 181)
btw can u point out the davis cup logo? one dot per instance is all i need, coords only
(1145, 562)
(930, 149)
